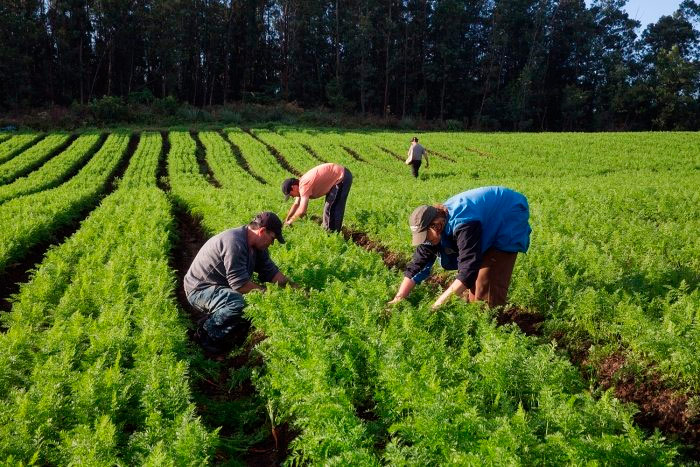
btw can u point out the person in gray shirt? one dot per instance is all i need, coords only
(415, 156)
(222, 272)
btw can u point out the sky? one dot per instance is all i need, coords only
(648, 11)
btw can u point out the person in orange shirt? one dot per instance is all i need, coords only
(330, 180)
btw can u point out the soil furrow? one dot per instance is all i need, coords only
(353, 154)
(659, 406)
(273, 150)
(479, 152)
(313, 153)
(238, 154)
(219, 391)
(162, 180)
(200, 155)
(391, 153)
(432, 152)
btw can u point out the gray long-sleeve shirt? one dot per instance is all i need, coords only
(227, 260)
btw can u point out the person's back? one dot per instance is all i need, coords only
(490, 205)
(417, 152)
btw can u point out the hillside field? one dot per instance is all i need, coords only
(594, 360)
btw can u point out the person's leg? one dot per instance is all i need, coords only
(328, 207)
(337, 209)
(415, 165)
(224, 308)
(494, 277)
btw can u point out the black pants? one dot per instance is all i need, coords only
(334, 210)
(415, 165)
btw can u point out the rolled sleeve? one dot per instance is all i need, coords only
(469, 258)
(422, 263)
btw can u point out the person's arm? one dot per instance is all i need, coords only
(468, 238)
(404, 290)
(300, 211)
(417, 270)
(292, 209)
(250, 286)
(283, 281)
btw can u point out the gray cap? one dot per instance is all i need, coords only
(420, 220)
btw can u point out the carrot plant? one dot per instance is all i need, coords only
(93, 367)
(15, 144)
(31, 158)
(55, 170)
(44, 212)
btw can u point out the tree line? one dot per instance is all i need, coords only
(514, 65)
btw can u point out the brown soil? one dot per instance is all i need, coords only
(354, 154)
(162, 172)
(530, 323)
(200, 154)
(391, 259)
(441, 155)
(659, 406)
(313, 153)
(278, 155)
(391, 153)
(238, 155)
(479, 152)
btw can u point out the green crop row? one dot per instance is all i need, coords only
(54, 171)
(16, 144)
(92, 368)
(31, 158)
(30, 220)
(261, 161)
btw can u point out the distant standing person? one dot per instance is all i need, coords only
(330, 180)
(479, 233)
(415, 156)
(222, 272)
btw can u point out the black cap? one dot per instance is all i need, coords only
(271, 222)
(287, 186)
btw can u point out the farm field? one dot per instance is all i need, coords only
(594, 359)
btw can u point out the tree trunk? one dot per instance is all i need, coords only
(405, 71)
(386, 63)
(337, 42)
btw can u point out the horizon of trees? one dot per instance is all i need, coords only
(523, 65)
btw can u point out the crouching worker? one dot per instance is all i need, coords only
(479, 233)
(221, 274)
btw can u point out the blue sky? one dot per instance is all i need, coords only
(648, 11)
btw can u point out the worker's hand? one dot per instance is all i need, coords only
(395, 300)
(288, 223)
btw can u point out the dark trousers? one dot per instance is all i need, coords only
(334, 210)
(415, 165)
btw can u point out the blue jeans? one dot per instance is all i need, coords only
(225, 309)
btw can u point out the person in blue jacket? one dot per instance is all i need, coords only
(478, 233)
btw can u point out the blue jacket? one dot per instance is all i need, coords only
(496, 216)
